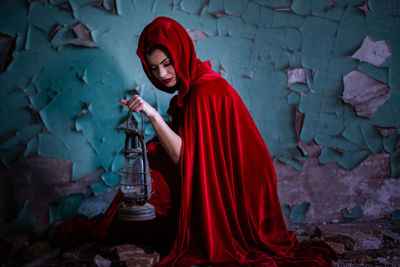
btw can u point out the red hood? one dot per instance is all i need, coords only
(170, 34)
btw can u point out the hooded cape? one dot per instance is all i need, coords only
(229, 211)
(222, 198)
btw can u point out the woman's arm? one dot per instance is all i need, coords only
(171, 142)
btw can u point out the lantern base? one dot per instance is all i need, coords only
(136, 212)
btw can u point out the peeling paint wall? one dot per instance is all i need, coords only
(314, 74)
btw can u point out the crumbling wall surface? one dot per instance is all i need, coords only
(320, 78)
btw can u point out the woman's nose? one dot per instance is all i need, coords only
(163, 72)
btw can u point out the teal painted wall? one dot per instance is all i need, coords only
(287, 59)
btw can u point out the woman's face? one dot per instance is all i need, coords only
(159, 62)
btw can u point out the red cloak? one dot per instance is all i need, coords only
(229, 209)
(224, 192)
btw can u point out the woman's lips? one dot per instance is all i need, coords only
(167, 81)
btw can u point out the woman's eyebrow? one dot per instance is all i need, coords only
(164, 60)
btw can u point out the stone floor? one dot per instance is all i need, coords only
(372, 243)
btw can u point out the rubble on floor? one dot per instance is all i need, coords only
(373, 243)
(45, 253)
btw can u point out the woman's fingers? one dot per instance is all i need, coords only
(131, 103)
(133, 98)
(137, 104)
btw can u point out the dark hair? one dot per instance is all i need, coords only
(161, 47)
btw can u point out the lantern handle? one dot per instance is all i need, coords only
(131, 119)
(141, 115)
(144, 155)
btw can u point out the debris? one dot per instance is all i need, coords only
(353, 236)
(101, 262)
(337, 247)
(356, 243)
(143, 260)
(126, 250)
(133, 255)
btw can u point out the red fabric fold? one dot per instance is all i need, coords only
(230, 212)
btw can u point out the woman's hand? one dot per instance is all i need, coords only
(171, 142)
(137, 104)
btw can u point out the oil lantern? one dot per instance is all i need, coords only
(135, 182)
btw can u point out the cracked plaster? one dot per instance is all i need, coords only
(364, 93)
(373, 52)
(289, 60)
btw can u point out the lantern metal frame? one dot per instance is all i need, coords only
(135, 208)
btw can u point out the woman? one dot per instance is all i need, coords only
(229, 207)
(211, 169)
